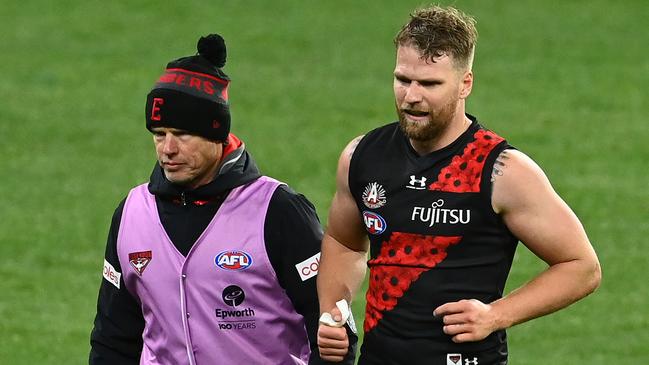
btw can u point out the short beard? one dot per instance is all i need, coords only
(439, 121)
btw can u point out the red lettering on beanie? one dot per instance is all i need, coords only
(216, 124)
(167, 78)
(195, 83)
(208, 87)
(155, 109)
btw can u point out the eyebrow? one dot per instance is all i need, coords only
(401, 76)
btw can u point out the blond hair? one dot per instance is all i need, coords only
(436, 31)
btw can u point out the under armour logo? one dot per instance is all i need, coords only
(421, 183)
(474, 361)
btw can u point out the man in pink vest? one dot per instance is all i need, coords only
(210, 262)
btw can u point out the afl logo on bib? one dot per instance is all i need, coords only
(233, 260)
(374, 195)
(374, 223)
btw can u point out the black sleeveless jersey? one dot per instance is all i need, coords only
(434, 238)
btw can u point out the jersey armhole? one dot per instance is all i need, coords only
(486, 185)
(353, 166)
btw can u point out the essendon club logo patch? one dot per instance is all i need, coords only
(453, 359)
(139, 260)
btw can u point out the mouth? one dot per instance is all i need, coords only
(415, 114)
(169, 165)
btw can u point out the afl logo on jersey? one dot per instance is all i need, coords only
(374, 195)
(233, 260)
(374, 223)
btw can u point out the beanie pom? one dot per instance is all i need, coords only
(212, 47)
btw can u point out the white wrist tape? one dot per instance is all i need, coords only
(328, 320)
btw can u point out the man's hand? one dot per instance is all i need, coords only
(333, 343)
(467, 320)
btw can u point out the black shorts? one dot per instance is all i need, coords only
(398, 351)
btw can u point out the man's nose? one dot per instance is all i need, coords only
(413, 93)
(170, 145)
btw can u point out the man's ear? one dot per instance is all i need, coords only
(466, 84)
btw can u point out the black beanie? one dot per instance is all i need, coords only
(192, 93)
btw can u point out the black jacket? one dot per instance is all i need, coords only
(292, 234)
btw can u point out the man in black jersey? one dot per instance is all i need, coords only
(440, 202)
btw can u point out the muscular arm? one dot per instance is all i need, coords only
(344, 253)
(534, 213)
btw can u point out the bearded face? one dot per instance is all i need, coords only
(425, 125)
(427, 94)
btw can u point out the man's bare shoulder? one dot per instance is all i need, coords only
(517, 179)
(514, 163)
(351, 146)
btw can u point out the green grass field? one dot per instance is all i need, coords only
(564, 81)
